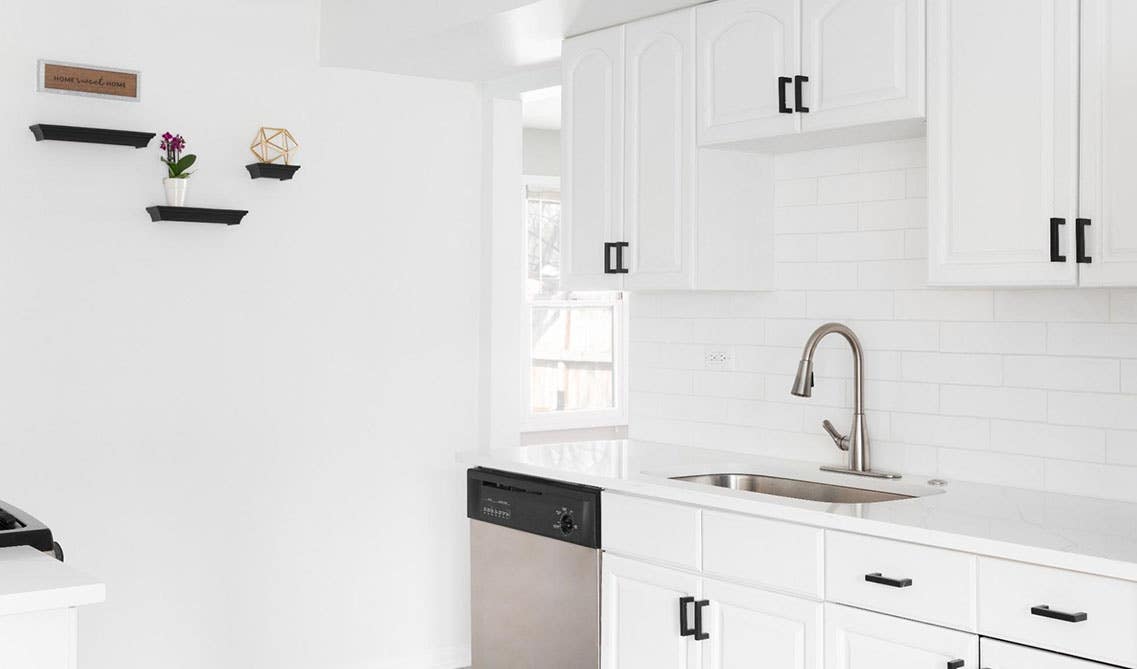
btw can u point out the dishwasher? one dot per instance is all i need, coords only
(534, 572)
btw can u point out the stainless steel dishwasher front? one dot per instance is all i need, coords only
(534, 572)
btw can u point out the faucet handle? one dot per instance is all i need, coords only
(841, 440)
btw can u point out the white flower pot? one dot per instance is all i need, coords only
(176, 191)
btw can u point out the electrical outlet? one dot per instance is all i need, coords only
(718, 358)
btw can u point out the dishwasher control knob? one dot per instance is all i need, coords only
(567, 524)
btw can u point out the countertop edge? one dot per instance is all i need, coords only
(1048, 557)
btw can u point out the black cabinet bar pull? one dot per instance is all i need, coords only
(955, 664)
(798, 81)
(684, 630)
(618, 267)
(891, 582)
(1055, 239)
(1047, 612)
(782, 106)
(1080, 229)
(700, 635)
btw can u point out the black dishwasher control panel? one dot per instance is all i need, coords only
(552, 509)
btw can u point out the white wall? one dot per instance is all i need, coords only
(1029, 388)
(248, 432)
(541, 151)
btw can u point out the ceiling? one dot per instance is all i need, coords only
(469, 40)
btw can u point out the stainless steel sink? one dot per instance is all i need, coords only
(771, 485)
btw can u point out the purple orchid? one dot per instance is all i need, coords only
(173, 145)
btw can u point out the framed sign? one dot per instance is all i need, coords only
(99, 82)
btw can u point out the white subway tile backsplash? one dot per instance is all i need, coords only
(816, 219)
(793, 192)
(1048, 441)
(1107, 340)
(849, 304)
(1062, 373)
(846, 246)
(993, 337)
(945, 305)
(1028, 388)
(970, 369)
(1052, 305)
(983, 401)
(893, 215)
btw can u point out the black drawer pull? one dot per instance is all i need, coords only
(1047, 612)
(782, 106)
(955, 664)
(700, 635)
(1080, 243)
(619, 257)
(891, 582)
(1055, 239)
(683, 629)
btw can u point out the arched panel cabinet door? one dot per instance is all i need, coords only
(864, 60)
(659, 159)
(592, 158)
(1002, 142)
(641, 615)
(1108, 199)
(744, 47)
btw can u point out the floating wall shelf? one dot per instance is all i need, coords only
(74, 133)
(196, 215)
(271, 171)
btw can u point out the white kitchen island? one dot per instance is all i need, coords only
(39, 600)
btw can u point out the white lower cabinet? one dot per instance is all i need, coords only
(856, 639)
(1002, 655)
(754, 629)
(639, 616)
(727, 626)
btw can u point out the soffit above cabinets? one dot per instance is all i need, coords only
(463, 40)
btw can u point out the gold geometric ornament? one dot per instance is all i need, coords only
(273, 144)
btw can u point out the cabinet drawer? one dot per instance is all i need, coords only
(1090, 616)
(645, 528)
(918, 582)
(777, 555)
(1000, 655)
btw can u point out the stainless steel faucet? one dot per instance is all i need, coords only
(857, 441)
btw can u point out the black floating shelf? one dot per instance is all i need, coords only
(271, 171)
(196, 215)
(74, 133)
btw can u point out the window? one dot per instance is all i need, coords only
(574, 367)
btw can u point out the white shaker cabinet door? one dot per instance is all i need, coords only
(640, 616)
(856, 639)
(864, 60)
(755, 629)
(745, 46)
(1108, 200)
(1002, 141)
(659, 159)
(592, 142)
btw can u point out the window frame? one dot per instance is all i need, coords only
(567, 420)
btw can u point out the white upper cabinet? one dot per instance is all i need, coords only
(659, 155)
(770, 70)
(644, 208)
(1108, 198)
(592, 160)
(864, 60)
(856, 639)
(745, 46)
(1002, 142)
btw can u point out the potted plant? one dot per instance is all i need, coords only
(177, 165)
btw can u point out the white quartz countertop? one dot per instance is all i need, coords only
(1078, 533)
(34, 581)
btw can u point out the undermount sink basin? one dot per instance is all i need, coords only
(772, 485)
